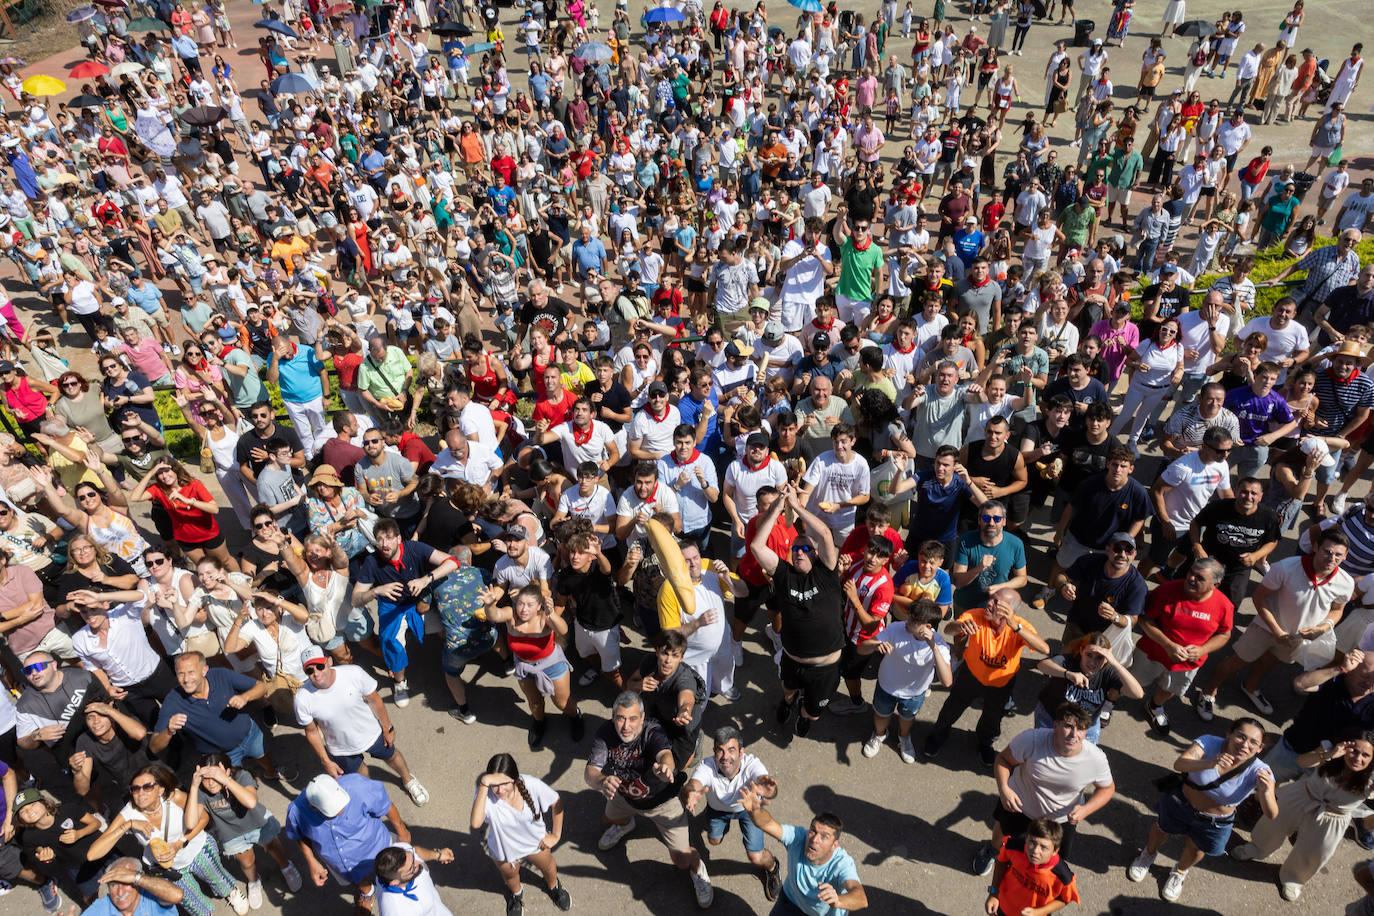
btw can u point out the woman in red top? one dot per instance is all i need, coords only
(540, 665)
(490, 385)
(27, 397)
(192, 510)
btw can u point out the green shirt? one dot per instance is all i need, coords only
(1125, 168)
(1076, 223)
(856, 271)
(386, 379)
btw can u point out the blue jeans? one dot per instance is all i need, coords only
(718, 824)
(1249, 459)
(1145, 254)
(906, 708)
(251, 746)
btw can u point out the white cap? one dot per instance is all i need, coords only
(1314, 446)
(326, 795)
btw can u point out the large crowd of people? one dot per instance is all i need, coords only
(390, 339)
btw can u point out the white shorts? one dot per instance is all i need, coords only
(1257, 640)
(605, 643)
(1120, 196)
(56, 643)
(1151, 673)
(852, 311)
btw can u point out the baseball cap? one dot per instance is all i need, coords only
(738, 348)
(516, 533)
(6, 366)
(326, 795)
(760, 303)
(773, 332)
(313, 655)
(657, 389)
(1122, 537)
(1168, 270)
(756, 440)
(821, 341)
(27, 797)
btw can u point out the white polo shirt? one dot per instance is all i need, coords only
(748, 481)
(1299, 601)
(656, 433)
(419, 898)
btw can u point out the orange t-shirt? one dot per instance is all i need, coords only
(993, 657)
(1032, 886)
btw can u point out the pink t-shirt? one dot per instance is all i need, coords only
(146, 358)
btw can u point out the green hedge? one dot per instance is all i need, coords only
(1269, 264)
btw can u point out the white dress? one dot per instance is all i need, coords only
(1175, 12)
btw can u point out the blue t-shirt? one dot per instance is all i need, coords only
(936, 512)
(212, 724)
(149, 298)
(1010, 555)
(589, 256)
(299, 376)
(803, 878)
(349, 841)
(1234, 790)
(911, 569)
(147, 906)
(500, 198)
(968, 244)
(413, 563)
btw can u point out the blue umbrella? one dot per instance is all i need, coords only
(594, 50)
(293, 83)
(81, 14)
(664, 14)
(276, 25)
(480, 47)
(807, 6)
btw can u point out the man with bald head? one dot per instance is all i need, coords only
(994, 638)
(821, 411)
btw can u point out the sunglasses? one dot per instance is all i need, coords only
(5, 510)
(1222, 451)
(1122, 548)
(992, 518)
(803, 548)
(143, 787)
(311, 669)
(36, 666)
(71, 384)
(156, 561)
(266, 524)
(372, 441)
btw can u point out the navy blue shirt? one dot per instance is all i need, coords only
(1126, 593)
(935, 512)
(212, 724)
(412, 564)
(1098, 513)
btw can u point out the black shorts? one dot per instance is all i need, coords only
(206, 545)
(1207, 192)
(161, 521)
(853, 666)
(817, 683)
(694, 284)
(747, 606)
(1160, 546)
(1014, 823)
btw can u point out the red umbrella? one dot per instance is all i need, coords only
(88, 69)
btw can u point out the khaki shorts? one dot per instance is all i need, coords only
(1150, 672)
(56, 643)
(669, 818)
(1121, 196)
(1257, 640)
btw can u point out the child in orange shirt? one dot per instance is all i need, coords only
(1031, 879)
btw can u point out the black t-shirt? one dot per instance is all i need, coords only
(117, 759)
(1083, 458)
(812, 609)
(662, 703)
(251, 440)
(1098, 512)
(1326, 714)
(447, 526)
(1226, 534)
(616, 398)
(1126, 593)
(65, 857)
(552, 317)
(632, 762)
(1038, 435)
(69, 582)
(541, 246)
(594, 596)
(806, 447)
(1091, 698)
(1171, 302)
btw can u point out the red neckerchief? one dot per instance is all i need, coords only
(204, 365)
(1354, 373)
(582, 438)
(816, 322)
(864, 246)
(666, 408)
(652, 497)
(693, 457)
(399, 562)
(762, 464)
(986, 281)
(1309, 568)
(907, 350)
(1171, 343)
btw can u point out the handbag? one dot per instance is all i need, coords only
(1173, 780)
(156, 868)
(1335, 158)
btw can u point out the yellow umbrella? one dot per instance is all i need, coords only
(44, 85)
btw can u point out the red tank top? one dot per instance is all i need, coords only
(485, 386)
(530, 648)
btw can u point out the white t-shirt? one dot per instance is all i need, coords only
(594, 449)
(514, 576)
(1195, 336)
(835, 483)
(1051, 785)
(512, 834)
(662, 498)
(347, 722)
(909, 669)
(596, 508)
(1156, 364)
(476, 423)
(1357, 210)
(801, 286)
(748, 481)
(703, 644)
(1193, 484)
(1283, 342)
(421, 898)
(656, 435)
(722, 794)
(1296, 601)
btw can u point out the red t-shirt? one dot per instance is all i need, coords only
(779, 541)
(189, 524)
(854, 545)
(555, 412)
(414, 450)
(875, 594)
(1184, 621)
(1032, 886)
(347, 366)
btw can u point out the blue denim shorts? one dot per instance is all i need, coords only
(884, 704)
(718, 824)
(251, 746)
(246, 841)
(350, 763)
(1178, 818)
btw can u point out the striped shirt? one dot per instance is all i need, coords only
(1326, 270)
(1339, 400)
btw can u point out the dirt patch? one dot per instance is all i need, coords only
(44, 35)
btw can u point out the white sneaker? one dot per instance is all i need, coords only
(418, 793)
(614, 834)
(701, 884)
(1139, 867)
(1173, 885)
(255, 895)
(588, 678)
(1259, 700)
(1338, 504)
(873, 745)
(1290, 891)
(292, 877)
(400, 694)
(237, 901)
(907, 751)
